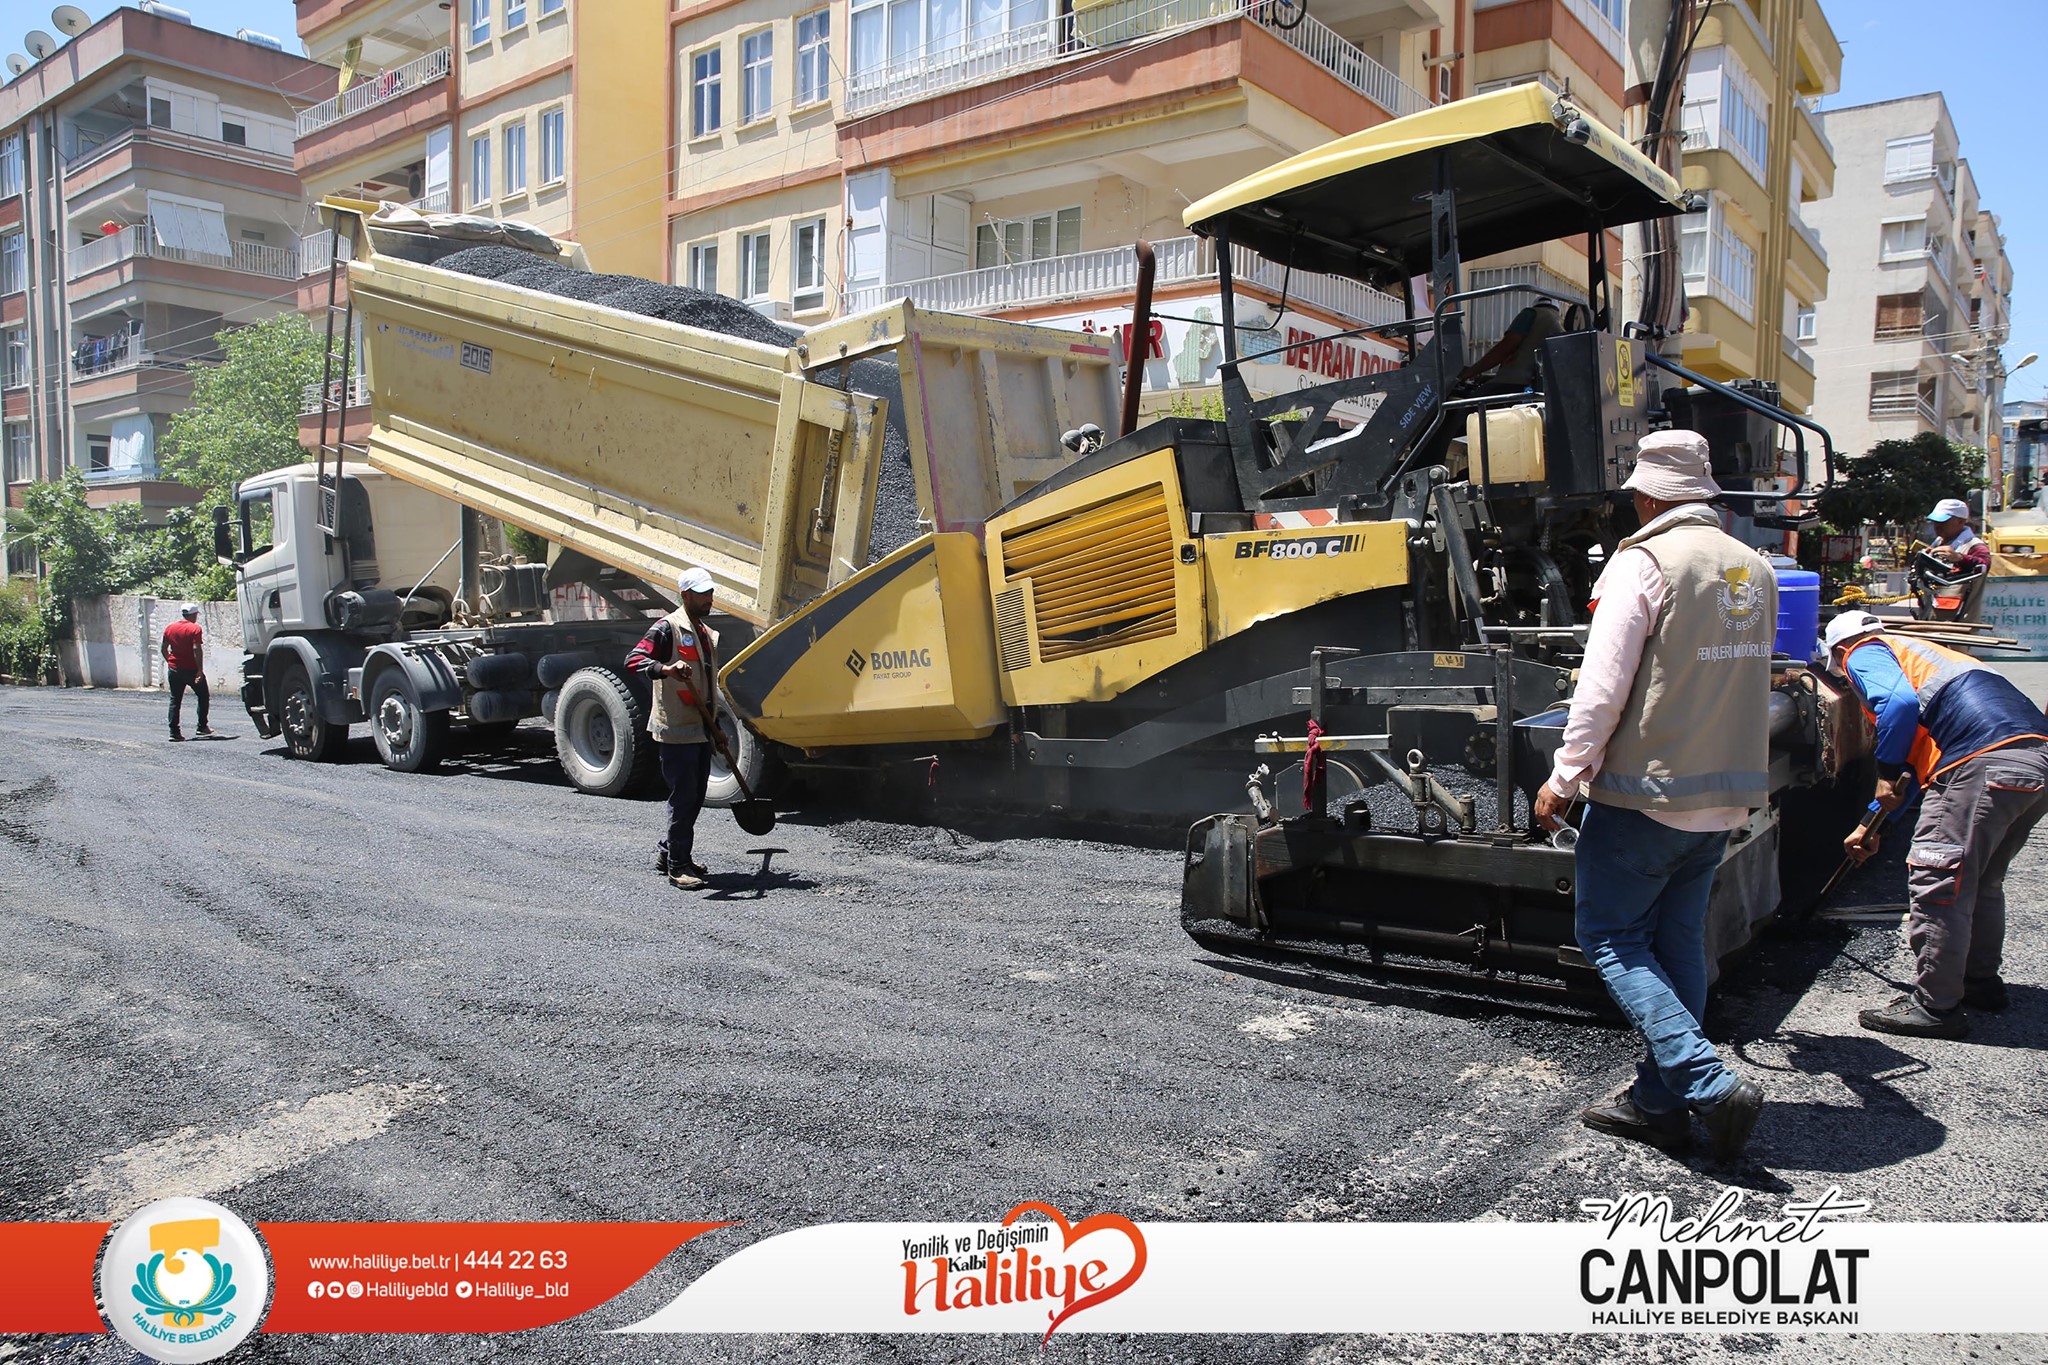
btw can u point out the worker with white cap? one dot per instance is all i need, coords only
(1954, 540)
(1979, 750)
(678, 656)
(1668, 738)
(184, 651)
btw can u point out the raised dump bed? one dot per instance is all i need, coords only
(650, 445)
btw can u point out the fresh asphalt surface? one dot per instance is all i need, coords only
(340, 993)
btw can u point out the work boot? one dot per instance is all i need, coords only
(1620, 1116)
(695, 869)
(204, 730)
(1728, 1120)
(685, 881)
(1910, 1016)
(177, 738)
(1987, 994)
(661, 861)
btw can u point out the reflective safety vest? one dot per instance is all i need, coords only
(1929, 669)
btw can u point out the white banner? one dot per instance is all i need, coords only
(1637, 1266)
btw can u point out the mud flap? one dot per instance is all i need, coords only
(1218, 894)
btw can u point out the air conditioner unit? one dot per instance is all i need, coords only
(772, 308)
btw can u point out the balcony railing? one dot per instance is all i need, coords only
(128, 351)
(134, 473)
(970, 60)
(1114, 270)
(1902, 405)
(372, 91)
(249, 258)
(357, 391)
(1810, 237)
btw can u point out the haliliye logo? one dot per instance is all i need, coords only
(1019, 1264)
(184, 1280)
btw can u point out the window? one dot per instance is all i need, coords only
(1902, 239)
(704, 267)
(479, 22)
(704, 112)
(1899, 315)
(20, 458)
(896, 33)
(755, 260)
(757, 75)
(515, 14)
(235, 133)
(515, 158)
(1899, 393)
(1016, 240)
(13, 263)
(14, 368)
(253, 235)
(159, 112)
(1711, 252)
(1908, 158)
(548, 7)
(10, 165)
(552, 166)
(814, 57)
(480, 170)
(1807, 327)
(98, 454)
(1542, 78)
(1743, 118)
(1735, 266)
(808, 262)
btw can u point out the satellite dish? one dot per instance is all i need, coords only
(39, 44)
(16, 63)
(70, 20)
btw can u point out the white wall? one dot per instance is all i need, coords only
(117, 642)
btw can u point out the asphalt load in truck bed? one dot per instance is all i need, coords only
(895, 523)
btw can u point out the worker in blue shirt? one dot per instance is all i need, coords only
(1977, 747)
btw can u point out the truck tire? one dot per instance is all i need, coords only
(410, 738)
(307, 735)
(601, 734)
(763, 773)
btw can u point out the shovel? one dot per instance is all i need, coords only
(755, 816)
(1870, 818)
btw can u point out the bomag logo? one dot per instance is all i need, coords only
(1298, 547)
(889, 663)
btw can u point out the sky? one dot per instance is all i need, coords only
(1984, 55)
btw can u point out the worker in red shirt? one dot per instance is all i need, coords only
(185, 652)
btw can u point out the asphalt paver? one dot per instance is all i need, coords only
(333, 992)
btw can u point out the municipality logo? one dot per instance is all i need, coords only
(184, 1280)
(1741, 599)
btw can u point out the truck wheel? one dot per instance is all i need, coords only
(601, 733)
(307, 734)
(410, 739)
(764, 775)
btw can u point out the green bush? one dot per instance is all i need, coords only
(25, 652)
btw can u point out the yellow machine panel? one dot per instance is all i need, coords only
(1254, 576)
(1097, 585)
(902, 651)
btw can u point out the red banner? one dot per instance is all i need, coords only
(46, 1277)
(455, 1277)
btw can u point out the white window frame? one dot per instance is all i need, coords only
(1886, 255)
(19, 452)
(757, 265)
(479, 22)
(554, 145)
(1903, 160)
(814, 57)
(807, 265)
(757, 75)
(906, 35)
(514, 137)
(1808, 326)
(13, 262)
(10, 165)
(707, 113)
(1713, 254)
(14, 359)
(515, 14)
(703, 268)
(1016, 240)
(1745, 116)
(480, 170)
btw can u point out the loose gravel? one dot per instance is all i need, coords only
(896, 508)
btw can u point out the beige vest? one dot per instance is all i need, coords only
(1695, 731)
(671, 719)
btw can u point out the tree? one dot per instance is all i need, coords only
(1898, 481)
(244, 415)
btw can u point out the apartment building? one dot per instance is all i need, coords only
(1908, 336)
(540, 110)
(1754, 148)
(147, 202)
(1002, 156)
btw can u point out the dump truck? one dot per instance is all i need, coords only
(637, 447)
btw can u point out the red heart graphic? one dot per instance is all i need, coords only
(1074, 1232)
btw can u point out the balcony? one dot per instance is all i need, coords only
(372, 91)
(125, 351)
(1114, 270)
(357, 392)
(969, 62)
(139, 242)
(1902, 405)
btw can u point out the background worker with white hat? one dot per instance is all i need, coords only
(184, 650)
(1954, 540)
(678, 656)
(1978, 749)
(1669, 738)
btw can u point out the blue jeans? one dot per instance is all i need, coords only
(1642, 922)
